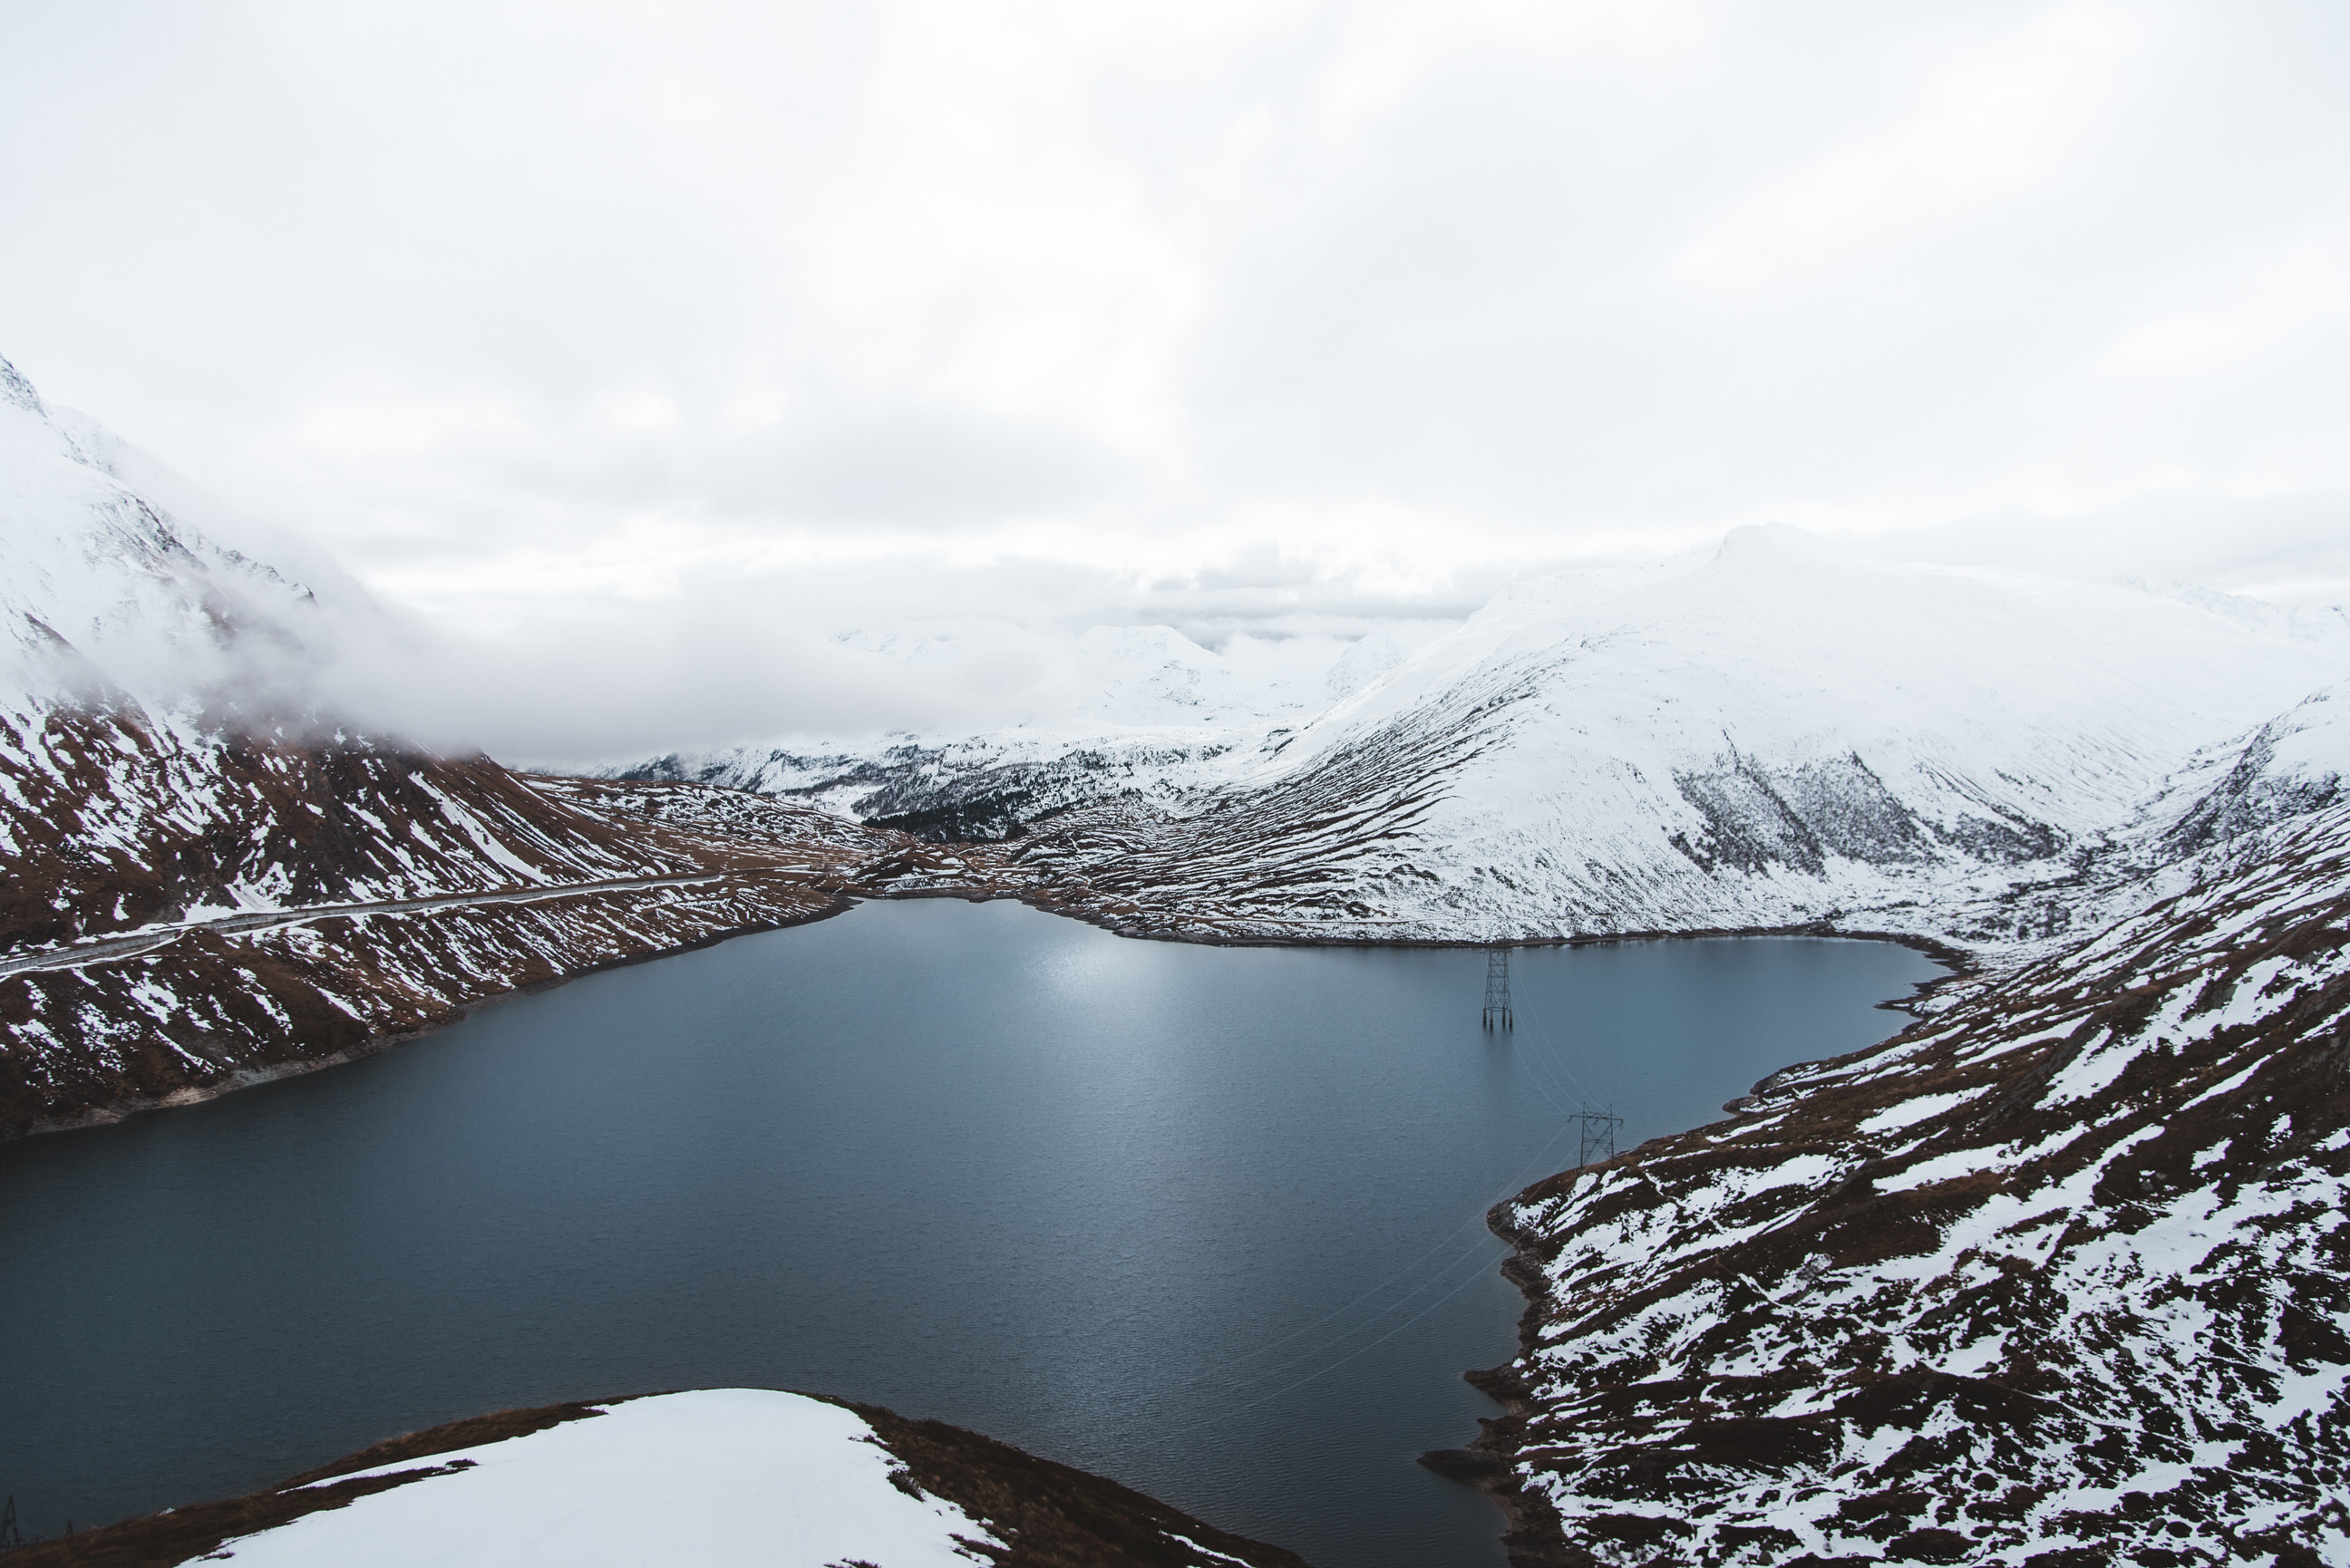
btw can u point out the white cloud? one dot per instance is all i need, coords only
(729, 324)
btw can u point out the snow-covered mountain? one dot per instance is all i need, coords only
(102, 595)
(2058, 1276)
(1131, 712)
(1778, 736)
(212, 880)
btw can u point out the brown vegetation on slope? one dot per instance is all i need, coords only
(344, 897)
(2056, 1277)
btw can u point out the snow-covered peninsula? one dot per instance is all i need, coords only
(716, 1478)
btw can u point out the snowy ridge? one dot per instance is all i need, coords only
(2059, 1273)
(975, 788)
(1778, 736)
(727, 1478)
(716, 1478)
(103, 596)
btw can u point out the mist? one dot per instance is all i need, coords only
(622, 360)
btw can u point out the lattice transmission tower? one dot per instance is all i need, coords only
(1497, 990)
(1598, 1134)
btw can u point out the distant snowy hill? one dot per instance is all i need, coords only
(1134, 711)
(1778, 736)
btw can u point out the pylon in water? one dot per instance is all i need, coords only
(1497, 990)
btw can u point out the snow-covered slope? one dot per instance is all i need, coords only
(1135, 712)
(1779, 736)
(726, 1477)
(102, 595)
(170, 785)
(2059, 1275)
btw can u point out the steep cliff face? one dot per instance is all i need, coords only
(1780, 737)
(211, 882)
(2059, 1275)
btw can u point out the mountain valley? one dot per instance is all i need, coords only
(2055, 1276)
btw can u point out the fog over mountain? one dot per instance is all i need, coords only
(625, 360)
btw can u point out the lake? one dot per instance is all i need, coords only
(1207, 1221)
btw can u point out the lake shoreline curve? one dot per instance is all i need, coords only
(1961, 1295)
(114, 1111)
(838, 901)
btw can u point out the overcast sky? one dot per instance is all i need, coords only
(661, 340)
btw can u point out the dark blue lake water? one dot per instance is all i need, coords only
(1209, 1220)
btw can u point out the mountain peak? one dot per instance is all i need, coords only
(1757, 542)
(15, 389)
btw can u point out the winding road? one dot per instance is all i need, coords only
(78, 954)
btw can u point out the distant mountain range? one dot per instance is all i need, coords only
(1779, 736)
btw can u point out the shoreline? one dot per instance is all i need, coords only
(1957, 963)
(1477, 1464)
(1535, 1535)
(240, 1078)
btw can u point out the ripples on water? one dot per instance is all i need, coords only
(1207, 1221)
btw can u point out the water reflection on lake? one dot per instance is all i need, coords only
(1207, 1221)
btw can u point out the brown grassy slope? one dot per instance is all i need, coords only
(2056, 1276)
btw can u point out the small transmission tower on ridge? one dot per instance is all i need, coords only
(1497, 990)
(1598, 1134)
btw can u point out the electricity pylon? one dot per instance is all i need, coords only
(1497, 990)
(1598, 1134)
